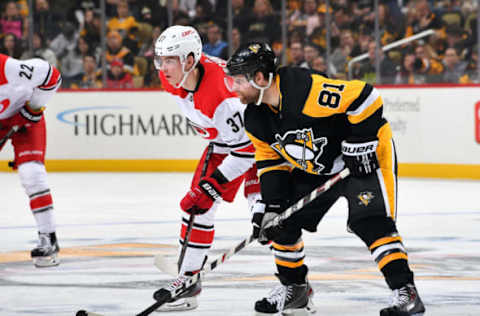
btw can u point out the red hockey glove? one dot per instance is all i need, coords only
(25, 117)
(201, 198)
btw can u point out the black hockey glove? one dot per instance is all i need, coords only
(268, 231)
(360, 155)
(257, 211)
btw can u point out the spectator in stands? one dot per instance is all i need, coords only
(294, 11)
(416, 68)
(11, 46)
(151, 79)
(452, 14)
(188, 6)
(310, 52)
(236, 42)
(41, 51)
(90, 78)
(343, 53)
(72, 64)
(391, 29)
(456, 37)
(420, 18)
(455, 68)
(11, 21)
(296, 54)
(426, 65)
(203, 18)
(367, 71)
(147, 49)
(406, 74)
(215, 44)
(241, 15)
(309, 19)
(64, 42)
(117, 77)
(46, 21)
(365, 36)
(91, 27)
(116, 50)
(319, 64)
(124, 21)
(158, 15)
(263, 24)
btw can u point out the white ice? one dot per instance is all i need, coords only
(438, 219)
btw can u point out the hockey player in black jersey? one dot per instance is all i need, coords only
(306, 128)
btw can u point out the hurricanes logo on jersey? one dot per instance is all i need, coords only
(301, 149)
(205, 132)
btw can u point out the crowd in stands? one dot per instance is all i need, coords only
(71, 40)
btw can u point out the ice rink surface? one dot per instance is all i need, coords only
(110, 225)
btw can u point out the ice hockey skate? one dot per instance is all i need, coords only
(405, 302)
(185, 301)
(287, 299)
(46, 252)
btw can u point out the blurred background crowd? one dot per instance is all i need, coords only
(68, 34)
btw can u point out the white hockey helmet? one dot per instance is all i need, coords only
(181, 41)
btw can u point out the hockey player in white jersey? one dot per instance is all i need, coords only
(25, 88)
(197, 82)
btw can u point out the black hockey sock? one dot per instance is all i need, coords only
(293, 276)
(381, 236)
(397, 274)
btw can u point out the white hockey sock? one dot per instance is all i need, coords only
(193, 259)
(45, 221)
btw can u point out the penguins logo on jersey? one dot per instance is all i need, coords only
(254, 48)
(365, 198)
(301, 149)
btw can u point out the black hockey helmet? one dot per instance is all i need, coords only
(250, 58)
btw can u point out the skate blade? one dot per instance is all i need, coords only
(45, 262)
(183, 304)
(307, 310)
(296, 312)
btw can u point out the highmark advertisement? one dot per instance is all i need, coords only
(436, 131)
(118, 125)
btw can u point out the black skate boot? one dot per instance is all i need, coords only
(46, 252)
(289, 299)
(405, 302)
(185, 301)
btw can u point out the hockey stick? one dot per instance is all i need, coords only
(160, 261)
(9, 134)
(165, 295)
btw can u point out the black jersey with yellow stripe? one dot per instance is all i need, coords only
(314, 116)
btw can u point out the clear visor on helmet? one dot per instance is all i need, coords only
(160, 61)
(236, 82)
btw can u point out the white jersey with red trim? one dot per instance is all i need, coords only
(217, 114)
(32, 80)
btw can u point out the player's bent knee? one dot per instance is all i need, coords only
(33, 176)
(370, 229)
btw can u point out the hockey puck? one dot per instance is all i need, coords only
(81, 313)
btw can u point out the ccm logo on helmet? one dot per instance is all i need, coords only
(186, 33)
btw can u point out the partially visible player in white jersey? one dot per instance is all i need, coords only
(25, 88)
(197, 82)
